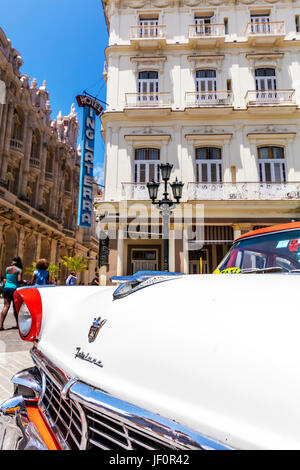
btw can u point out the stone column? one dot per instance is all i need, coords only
(7, 143)
(1, 113)
(43, 158)
(38, 246)
(3, 126)
(27, 153)
(53, 251)
(21, 242)
(53, 203)
(22, 163)
(236, 231)
(120, 251)
(185, 251)
(171, 249)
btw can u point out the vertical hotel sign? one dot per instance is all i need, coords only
(85, 204)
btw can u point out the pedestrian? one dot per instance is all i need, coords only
(41, 276)
(12, 280)
(1, 285)
(71, 279)
(95, 281)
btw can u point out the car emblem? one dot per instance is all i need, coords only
(95, 328)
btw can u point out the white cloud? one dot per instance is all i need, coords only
(99, 173)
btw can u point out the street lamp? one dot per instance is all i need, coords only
(165, 205)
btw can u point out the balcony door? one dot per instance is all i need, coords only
(260, 24)
(148, 88)
(208, 165)
(206, 85)
(146, 165)
(271, 164)
(148, 27)
(204, 25)
(265, 84)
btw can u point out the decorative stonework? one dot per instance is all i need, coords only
(142, 63)
(265, 59)
(206, 61)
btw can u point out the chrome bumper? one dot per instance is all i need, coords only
(17, 432)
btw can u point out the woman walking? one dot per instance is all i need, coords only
(12, 280)
(41, 276)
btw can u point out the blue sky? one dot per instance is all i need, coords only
(62, 42)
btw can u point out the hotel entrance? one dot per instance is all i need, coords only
(144, 260)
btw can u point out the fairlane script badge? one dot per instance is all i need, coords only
(86, 357)
(95, 328)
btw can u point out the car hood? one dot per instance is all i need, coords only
(217, 353)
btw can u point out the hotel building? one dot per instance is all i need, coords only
(213, 88)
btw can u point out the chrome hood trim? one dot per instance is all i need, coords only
(140, 280)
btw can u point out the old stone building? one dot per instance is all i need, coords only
(39, 174)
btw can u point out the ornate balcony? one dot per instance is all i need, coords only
(16, 144)
(147, 100)
(49, 175)
(265, 33)
(243, 191)
(208, 99)
(206, 34)
(258, 98)
(34, 163)
(137, 192)
(148, 36)
(68, 194)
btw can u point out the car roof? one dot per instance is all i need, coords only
(273, 228)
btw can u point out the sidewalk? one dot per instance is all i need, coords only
(14, 354)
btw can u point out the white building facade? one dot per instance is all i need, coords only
(213, 88)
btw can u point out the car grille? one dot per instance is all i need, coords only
(63, 415)
(104, 430)
(109, 433)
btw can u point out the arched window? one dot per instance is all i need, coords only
(271, 164)
(206, 84)
(148, 86)
(146, 165)
(265, 79)
(208, 165)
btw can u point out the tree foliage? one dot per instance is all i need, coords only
(75, 263)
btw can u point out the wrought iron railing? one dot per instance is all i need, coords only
(16, 144)
(34, 162)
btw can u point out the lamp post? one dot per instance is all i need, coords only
(165, 205)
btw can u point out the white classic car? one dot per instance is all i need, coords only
(166, 361)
